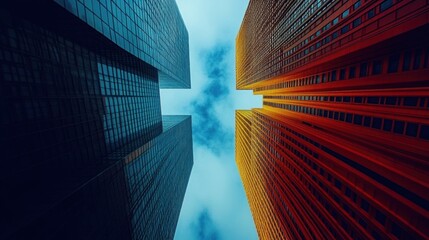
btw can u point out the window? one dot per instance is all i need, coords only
(386, 5)
(357, 5)
(380, 217)
(399, 127)
(338, 184)
(410, 101)
(327, 39)
(417, 57)
(345, 13)
(364, 205)
(342, 115)
(371, 13)
(335, 21)
(393, 63)
(357, 22)
(407, 61)
(411, 129)
(422, 102)
(424, 132)
(327, 26)
(376, 123)
(334, 35)
(349, 117)
(372, 100)
(426, 58)
(334, 75)
(377, 67)
(352, 72)
(342, 74)
(387, 125)
(345, 29)
(358, 99)
(367, 121)
(363, 70)
(318, 45)
(357, 119)
(391, 100)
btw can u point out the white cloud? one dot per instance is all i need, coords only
(214, 184)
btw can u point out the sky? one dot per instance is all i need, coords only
(215, 205)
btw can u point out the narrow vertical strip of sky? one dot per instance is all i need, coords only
(215, 205)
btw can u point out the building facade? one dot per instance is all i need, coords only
(86, 153)
(339, 149)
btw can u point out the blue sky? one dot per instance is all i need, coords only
(215, 205)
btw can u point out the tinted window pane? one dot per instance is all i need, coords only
(417, 58)
(342, 115)
(407, 61)
(349, 117)
(412, 129)
(391, 100)
(410, 101)
(376, 123)
(399, 127)
(386, 5)
(363, 70)
(358, 99)
(373, 100)
(342, 74)
(357, 5)
(371, 13)
(393, 63)
(352, 72)
(424, 132)
(345, 29)
(357, 22)
(367, 121)
(364, 205)
(334, 75)
(387, 125)
(377, 67)
(345, 13)
(357, 119)
(381, 218)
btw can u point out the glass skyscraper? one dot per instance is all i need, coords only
(85, 151)
(339, 149)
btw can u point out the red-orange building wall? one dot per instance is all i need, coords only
(342, 140)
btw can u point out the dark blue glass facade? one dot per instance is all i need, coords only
(86, 153)
(152, 30)
(154, 196)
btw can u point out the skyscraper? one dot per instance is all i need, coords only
(339, 149)
(86, 153)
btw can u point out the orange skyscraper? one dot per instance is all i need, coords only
(340, 148)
